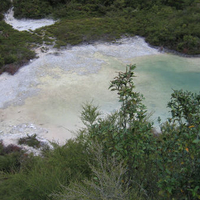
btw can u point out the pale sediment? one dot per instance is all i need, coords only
(26, 24)
(50, 90)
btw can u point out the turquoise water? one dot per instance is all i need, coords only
(158, 76)
(172, 71)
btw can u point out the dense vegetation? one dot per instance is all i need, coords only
(165, 23)
(118, 156)
(15, 46)
(172, 24)
(115, 157)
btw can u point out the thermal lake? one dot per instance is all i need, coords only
(45, 96)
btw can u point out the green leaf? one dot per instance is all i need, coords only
(196, 141)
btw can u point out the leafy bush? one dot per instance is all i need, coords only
(126, 134)
(39, 176)
(1, 61)
(31, 9)
(165, 166)
(178, 159)
(15, 48)
(107, 180)
(10, 157)
(5, 4)
(31, 141)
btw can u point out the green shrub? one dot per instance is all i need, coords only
(164, 166)
(107, 180)
(31, 9)
(31, 141)
(126, 134)
(178, 157)
(10, 59)
(15, 48)
(5, 4)
(39, 176)
(1, 61)
(10, 157)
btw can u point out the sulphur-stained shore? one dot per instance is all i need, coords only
(48, 93)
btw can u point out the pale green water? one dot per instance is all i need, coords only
(158, 75)
(172, 71)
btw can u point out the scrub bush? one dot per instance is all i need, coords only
(1, 61)
(5, 4)
(127, 134)
(106, 182)
(163, 166)
(39, 176)
(34, 9)
(10, 157)
(31, 141)
(178, 157)
(15, 48)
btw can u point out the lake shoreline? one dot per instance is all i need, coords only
(173, 52)
(14, 68)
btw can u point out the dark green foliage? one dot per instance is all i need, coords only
(31, 141)
(2, 62)
(36, 182)
(89, 120)
(56, 2)
(32, 9)
(15, 48)
(172, 29)
(72, 157)
(77, 31)
(178, 4)
(127, 134)
(10, 157)
(106, 180)
(39, 176)
(164, 166)
(5, 4)
(178, 157)
(178, 162)
(185, 108)
(161, 25)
